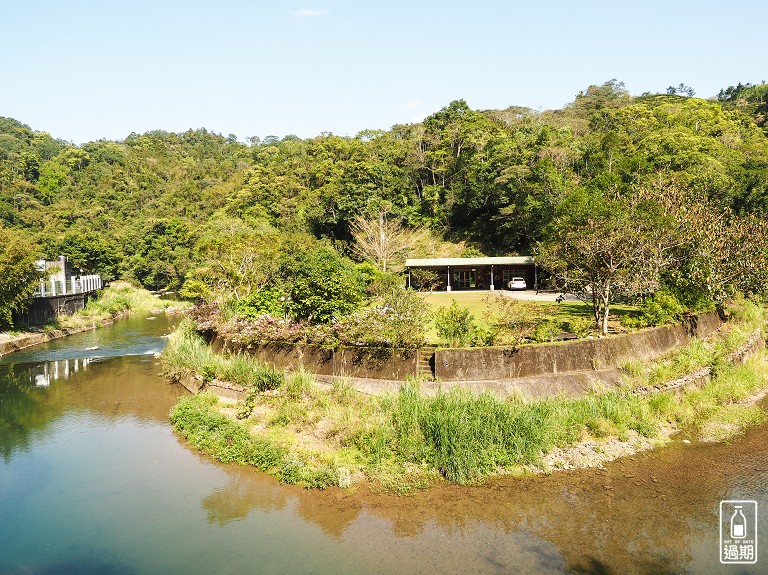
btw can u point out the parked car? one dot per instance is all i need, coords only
(517, 283)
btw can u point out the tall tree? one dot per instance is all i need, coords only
(18, 274)
(600, 249)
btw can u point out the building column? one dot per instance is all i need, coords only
(53, 286)
(409, 278)
(448, 287)
(492, 286)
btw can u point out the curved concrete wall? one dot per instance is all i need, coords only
(491, 363)
(483, 364)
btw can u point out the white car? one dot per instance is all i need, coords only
(517, 283)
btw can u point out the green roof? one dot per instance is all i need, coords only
(439, 262)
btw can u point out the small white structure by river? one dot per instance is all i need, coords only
(62, 281)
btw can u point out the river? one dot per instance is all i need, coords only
(93, 480)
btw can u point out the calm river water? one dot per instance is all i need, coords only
(93, 480)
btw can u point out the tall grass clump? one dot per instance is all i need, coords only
(187, 353)
(467, 437)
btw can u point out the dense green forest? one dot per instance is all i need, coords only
(161, 208)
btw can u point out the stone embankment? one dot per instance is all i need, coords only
(9, 344)
(754, 344)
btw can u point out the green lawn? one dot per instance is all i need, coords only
(477, 303)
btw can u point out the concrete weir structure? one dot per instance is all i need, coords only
(534, 371)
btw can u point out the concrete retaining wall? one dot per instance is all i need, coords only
(378, 363)
(496, 363)
(44, 309)
(482, 364)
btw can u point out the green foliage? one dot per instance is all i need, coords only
(424, 280)
(187, 352)
(455, 325)
(271, 301)
(18, 273)
(662, 308)
(405, 441)
(202, 210)
(546, 330)
(323, 285)
(229, 441)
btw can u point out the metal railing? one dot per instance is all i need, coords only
(76, 285)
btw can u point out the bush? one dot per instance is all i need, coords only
(511, 320)
(323, 286)
(546, 330)
(454, 324)
(269, 301)
(399, 320)
(424, 280)
(662, 308)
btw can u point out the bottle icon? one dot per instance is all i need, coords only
(738, 524)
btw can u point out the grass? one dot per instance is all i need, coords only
(187, 353)
(561, 314)
(118, 298)
(318, 435)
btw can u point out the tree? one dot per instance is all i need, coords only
(381, 240)
(238, 259)
(681, 90)
(323, 285)
(719, 252)
(18, 273)
(600, 249)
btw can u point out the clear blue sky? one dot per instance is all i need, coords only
(89, 69)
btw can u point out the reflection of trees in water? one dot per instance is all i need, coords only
(28, 404)
(652, 514)
(248, 490)
(21, 408)
(245, 491)
(643, 516)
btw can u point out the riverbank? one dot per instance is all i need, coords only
(114, 303)
(317, 434)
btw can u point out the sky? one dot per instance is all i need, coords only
(83, 70)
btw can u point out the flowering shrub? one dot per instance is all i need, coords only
(398, 321)
(262, 330)
(380, 325)
(207, 316)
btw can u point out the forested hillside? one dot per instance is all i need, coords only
(161, 207)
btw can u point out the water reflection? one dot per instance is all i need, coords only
(92, 470)
(655, 513)
(42, 374)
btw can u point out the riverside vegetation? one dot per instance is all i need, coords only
(318, 435)
(619, 197)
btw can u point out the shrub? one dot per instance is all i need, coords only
(269, 301)
(546, 330)
(323, 285)
(662, 308)
(424, 280)
(511, 320)
(454, 324)
(399, 320)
